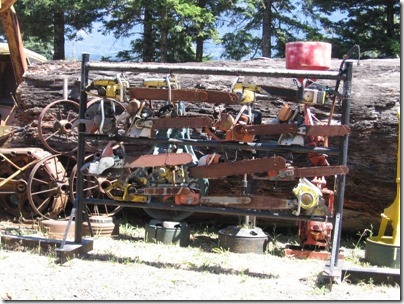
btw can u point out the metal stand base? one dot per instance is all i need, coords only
(70, 249)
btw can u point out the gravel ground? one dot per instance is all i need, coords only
(127, 268)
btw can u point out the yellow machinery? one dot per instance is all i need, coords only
(384, 250)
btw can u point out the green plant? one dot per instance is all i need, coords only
(220, 250)
(274, 246)
(365, 232)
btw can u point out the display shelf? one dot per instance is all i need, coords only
(340, 152)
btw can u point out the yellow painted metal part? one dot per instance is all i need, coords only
(160, 83)
(392, 213)
(11, 27)
(126, 195)
(6, 4)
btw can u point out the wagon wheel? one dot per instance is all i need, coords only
(48, 187)
(93, 188)
(55, 126)
(13, 194)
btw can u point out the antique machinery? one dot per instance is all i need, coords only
(172, 177)
(33, 182)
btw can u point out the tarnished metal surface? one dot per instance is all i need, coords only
(199, 70)
(184, 95)
(165, 94)
(225, 200)
(243, 240)
(317, 130)
(267, 203)
(158, 160)
(9, 19)
(249, 202)
(238, 167)
(28, 183)
(166, 191)
(290, 173)
(327, 130)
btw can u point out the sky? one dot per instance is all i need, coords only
(98, 45)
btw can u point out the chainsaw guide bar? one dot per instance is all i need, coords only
(158, 160)
(237, 167)
(215, 97)
(308, 130)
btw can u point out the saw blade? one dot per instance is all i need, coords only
(195, 95)
(308, 130)
(291, 173)
(157, 160)
(238, 167)
(164, 94)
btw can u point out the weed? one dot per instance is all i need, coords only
(274, 246)
(243, 275)
(220, 250)
(365, 232)
(355, 255)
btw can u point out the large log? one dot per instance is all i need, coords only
(372, 156)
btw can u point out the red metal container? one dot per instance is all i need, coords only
(308, 55)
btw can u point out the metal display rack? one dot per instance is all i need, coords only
(332, 269)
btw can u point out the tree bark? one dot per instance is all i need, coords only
(372, 150)
(164, 36)
(148, 36)
(59, 36)
(267, 29)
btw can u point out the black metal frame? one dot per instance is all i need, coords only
(332, 269)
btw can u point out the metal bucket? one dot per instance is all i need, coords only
(243, 240)
(167, 233)
(383, 253)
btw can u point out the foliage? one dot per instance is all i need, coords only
(176, 30)
(51, 22)
(372, 24)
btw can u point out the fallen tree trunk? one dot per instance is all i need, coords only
(372, 155)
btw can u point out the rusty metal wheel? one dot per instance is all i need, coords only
(55, 126)
(48, 186)
(93, 187)
(15, 167)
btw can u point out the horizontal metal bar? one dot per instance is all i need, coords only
(268, 146)
(205, 209)
(186, 69)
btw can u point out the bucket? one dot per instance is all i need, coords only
(308, 55)
(243, 240)
(167, 232)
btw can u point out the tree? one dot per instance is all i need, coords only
(265, 26)
(170, 28)
(372, 24)
(45, 22)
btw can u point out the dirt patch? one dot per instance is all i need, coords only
(127, 268)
